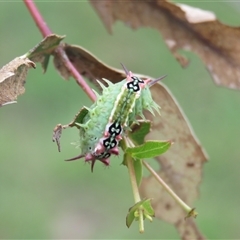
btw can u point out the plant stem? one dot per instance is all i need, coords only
(41, 24)
(134, 184)
(131, 171)
(188, 209)
(136, 194)
(141, 224)
(75, 74)
(60, 52)
(133, 180)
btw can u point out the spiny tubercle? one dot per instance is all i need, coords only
(118, 119)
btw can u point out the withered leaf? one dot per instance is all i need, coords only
(42, 51)
(188, 230)
(13, 74)
(12, 79)
(182, 27)
(86, 64)
(57, 132)
(181, 165)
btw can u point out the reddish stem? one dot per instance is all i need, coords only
(45, 30)
(79, 79)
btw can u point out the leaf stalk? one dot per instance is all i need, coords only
(190, 211)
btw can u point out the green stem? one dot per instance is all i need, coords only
(134, 184)
(133, 179)
(141, 224)
(188, 209)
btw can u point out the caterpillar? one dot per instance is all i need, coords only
(112, 114)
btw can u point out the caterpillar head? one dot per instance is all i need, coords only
(149, 82)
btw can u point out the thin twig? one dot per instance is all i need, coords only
(45, 30)
(75, 74)
(169, 190)
(41, 24)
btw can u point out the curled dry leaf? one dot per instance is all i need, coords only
(86, 64)
(12, 79)
(13, 74)
(42, 51)
(57, 132)
(181, 166)
(183, 27)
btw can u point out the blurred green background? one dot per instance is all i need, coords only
(41, 196)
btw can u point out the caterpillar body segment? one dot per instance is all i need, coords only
(111, 115)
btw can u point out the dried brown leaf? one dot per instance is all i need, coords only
(42, 51)
(188, 230)
(181, 166)
(182, 27)
(87, 65)
(12, 79)
(57, 132)
(13, 74)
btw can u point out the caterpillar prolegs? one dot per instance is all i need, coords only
(112, 114)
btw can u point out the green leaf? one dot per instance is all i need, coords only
(124, 162)
(143, 205)
(131, 213)
(130, 217)
(137, 164)
(148, 209)
(139, 131)
(57, 131)
(149, 149)
(79, 118)
(42, 51)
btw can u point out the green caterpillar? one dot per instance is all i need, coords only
(112, 114)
